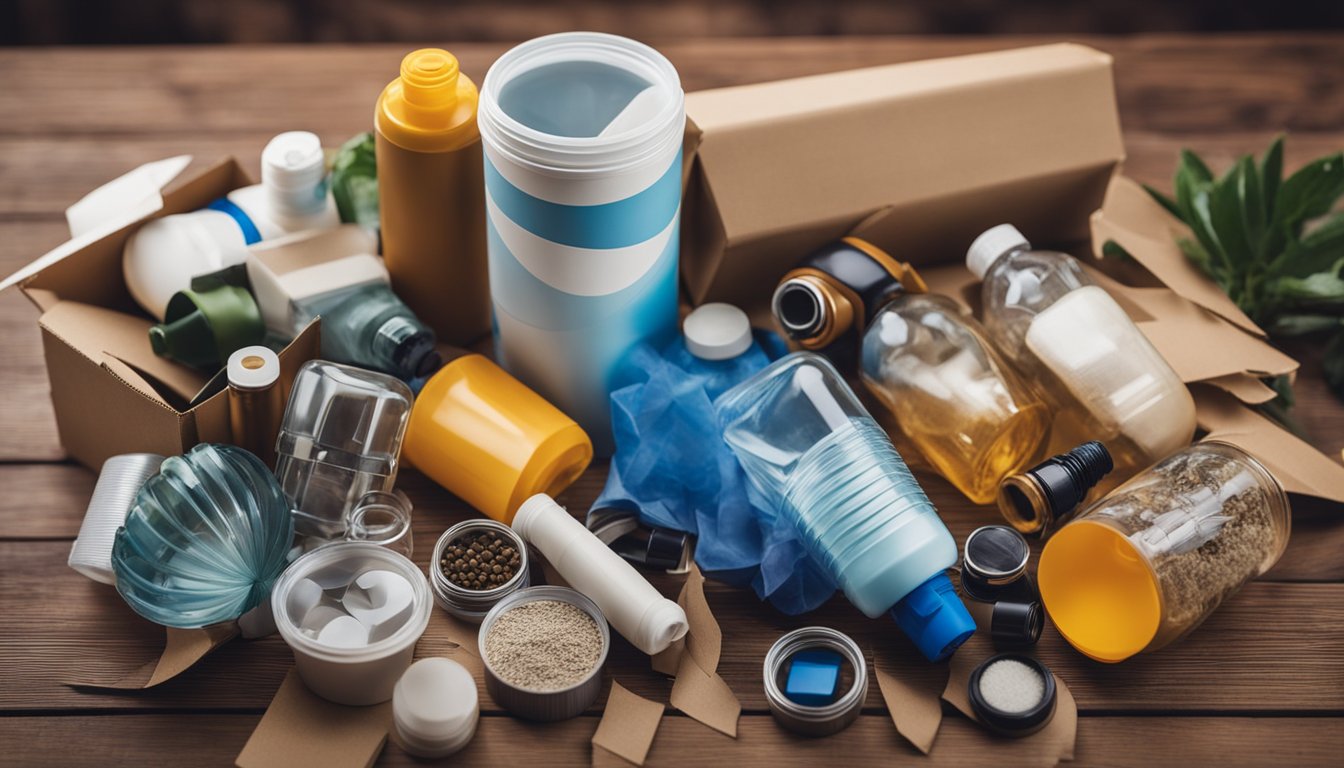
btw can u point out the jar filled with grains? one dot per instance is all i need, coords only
(476, 564)
(1148, 563)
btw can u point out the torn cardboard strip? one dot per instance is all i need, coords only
(182, 649)
(698, 690)
(1296, 464)
(910, 688)
(303, 730)
(628, 725)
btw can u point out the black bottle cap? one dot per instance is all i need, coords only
(1047, 495)
(1016, 625)
(1020, 723)
(659, 549)
(994, 558)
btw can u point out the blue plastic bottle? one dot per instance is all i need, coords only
(810, 448)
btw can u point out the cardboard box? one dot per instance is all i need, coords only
(917, 158)
(111, 393)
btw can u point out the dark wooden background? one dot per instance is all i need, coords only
(46, 22)
(1262, 683)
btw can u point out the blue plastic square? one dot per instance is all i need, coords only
(814, 677)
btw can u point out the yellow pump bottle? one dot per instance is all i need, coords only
(483, 435)
(431, 188)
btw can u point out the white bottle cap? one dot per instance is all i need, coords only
(293, 167)
(435, 708)
(990, 245)
(253, 368)
(717, 331)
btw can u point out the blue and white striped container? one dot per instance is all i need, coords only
(582, 135)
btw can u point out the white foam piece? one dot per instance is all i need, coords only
(343, 632)
(381, 600)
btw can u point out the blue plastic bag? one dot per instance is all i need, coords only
(673, 469)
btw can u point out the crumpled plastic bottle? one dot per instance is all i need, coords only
(674, 470)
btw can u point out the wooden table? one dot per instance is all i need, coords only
(1262, 682)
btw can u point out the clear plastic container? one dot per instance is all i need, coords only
(817, 457)
(1098, 370)
(1147, 564)
(341, 439)
(965, 410)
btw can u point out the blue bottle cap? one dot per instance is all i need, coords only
(933, 616)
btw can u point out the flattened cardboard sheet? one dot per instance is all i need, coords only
(628, 725)
(302, 730)
(182, 649)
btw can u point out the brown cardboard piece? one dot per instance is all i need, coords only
(111, 394)
(698, 690)
(1299, 467)
(302, 730)
(182, 649)
(628, 725)
(910, 687)
(918, 158)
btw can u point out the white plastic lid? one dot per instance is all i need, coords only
(435, 707)
(293, 168)
(253, 368)
(717, 331)
(990, 245)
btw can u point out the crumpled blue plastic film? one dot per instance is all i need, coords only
(673, 469)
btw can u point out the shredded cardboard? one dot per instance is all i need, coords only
(182, 649)
(628, 725)
(302, 730)
(698, 690)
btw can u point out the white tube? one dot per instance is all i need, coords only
(632, 606)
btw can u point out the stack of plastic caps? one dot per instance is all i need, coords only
(206, 539)
(673, 469)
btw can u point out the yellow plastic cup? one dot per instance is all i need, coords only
(484, 436)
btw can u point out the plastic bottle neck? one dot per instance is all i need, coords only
(1047, 495)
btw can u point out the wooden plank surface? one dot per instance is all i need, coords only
(1262, 681)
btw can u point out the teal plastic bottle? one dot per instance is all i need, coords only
(367, 325)
(816, 456)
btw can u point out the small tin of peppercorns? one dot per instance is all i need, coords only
(476, 564)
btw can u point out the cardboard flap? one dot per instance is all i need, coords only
(628, 725)
(100, 333)
(698, 690)
(302, 730)
(940, 147)
(182, 649)
(1147, 232)
(1297, 465)
(117, 204)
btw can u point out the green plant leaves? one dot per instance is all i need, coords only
(1268, 241)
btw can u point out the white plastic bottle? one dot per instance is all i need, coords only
(161, 257)
(1068, 335)
(633, 607)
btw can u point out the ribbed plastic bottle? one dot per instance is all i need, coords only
(1102, 375)
(161, 257)
(817, 457)
(431, 194)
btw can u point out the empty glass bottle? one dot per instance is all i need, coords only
(817, 457)
(1104, 378)
(966, 411)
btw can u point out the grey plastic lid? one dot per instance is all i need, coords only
(990, 245)
(717, 331)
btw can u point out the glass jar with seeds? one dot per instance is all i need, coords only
(476, 564)
(1148, 563)
(543, 650)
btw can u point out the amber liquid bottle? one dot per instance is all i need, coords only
(431, 191)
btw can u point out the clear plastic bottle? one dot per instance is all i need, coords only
(341, 438)
(818, 458)
(367, 325)
(965, 410)
(1102, 375)
(1150, 562)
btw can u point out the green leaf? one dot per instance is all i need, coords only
(1193, 197)
(1317, 251)
(1200, 258)
(354, 181)
(1309, 193)
(1334, 365)
(1192, 163)
(1320, 288)
(1283, 385)
(1164, 201)
(1113, 250)
(1254, 215)
(1227, 217)
(1271, 172)
(1299, 325)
